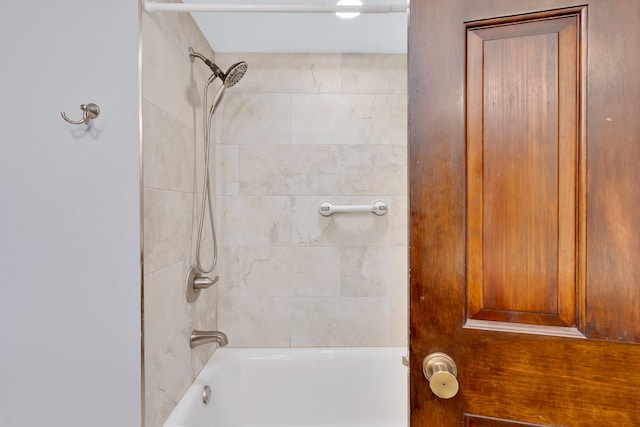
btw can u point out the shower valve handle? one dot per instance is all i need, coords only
(204, 282)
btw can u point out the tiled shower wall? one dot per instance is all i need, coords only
(297, 130)
(172, 174)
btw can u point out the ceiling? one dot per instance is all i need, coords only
(302, 32)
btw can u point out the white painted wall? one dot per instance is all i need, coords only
(69, 215)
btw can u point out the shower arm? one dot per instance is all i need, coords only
(216, 70)
(193, 53)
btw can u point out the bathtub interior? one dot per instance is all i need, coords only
(335, 387)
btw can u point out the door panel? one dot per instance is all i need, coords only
(522, 141)
(474, 421)
(524, 206)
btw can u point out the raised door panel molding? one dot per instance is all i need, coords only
(524, 169)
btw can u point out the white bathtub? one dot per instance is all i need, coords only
(296, 387)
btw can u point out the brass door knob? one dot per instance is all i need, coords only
(441, 372)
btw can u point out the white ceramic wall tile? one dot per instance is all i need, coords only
(168, 151)
(292, 73)
(254, 321)
(399, 321)
(374, 73)
(254, 119)
(330, 321)
(340, 119)
(254, 221)
(167, 228)
(373, 271)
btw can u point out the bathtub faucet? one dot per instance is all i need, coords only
(206, 337)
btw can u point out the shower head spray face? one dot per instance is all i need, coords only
(234, 73)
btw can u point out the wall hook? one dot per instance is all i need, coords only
(89, 111)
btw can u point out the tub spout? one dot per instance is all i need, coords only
(205, 337)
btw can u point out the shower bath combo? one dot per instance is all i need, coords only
(196, 277)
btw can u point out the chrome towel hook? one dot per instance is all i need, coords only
(89, 111)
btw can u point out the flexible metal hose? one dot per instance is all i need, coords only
(206, 185)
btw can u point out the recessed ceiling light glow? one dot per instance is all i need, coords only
(348, 15)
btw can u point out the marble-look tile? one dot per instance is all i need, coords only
(168, 79)
(374, 73)
(170, 365)
(373, 170)
(399, 321)
(173, 156)
(165, 307)
(266, 271)
(229, 271)
(167, 377)
(327, 321)
(291, 73)
(289, 170)
(227, 170)
(309, 228)
(322, 169)
(254, 221)
(399, 117)
(167, 228)
(374, 271)
(340, 119)
(254, 321)
(254, 119)
(168, 151)
(256, 271)
(314, 271)
(181, 31)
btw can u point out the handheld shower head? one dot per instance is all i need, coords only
(233, 74)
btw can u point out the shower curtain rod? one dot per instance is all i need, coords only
(152, 6)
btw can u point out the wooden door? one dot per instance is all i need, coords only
(524, 121)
